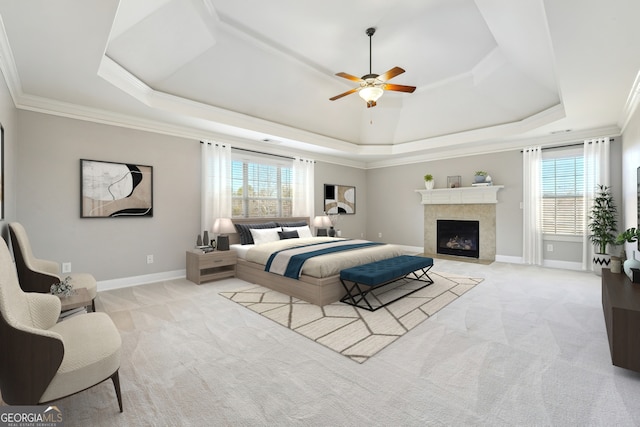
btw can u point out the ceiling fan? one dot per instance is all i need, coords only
(372, 86)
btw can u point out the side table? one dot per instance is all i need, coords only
(74, 304)
(202, 267)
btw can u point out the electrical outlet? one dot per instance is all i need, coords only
(549, 247)
(149, 259)
(379, 234)
(66, 267)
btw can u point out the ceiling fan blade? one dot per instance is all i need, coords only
(349, 92)
(399, 88)
(395, 71)
(349, 77)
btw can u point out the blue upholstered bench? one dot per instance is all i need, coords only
(366, 277)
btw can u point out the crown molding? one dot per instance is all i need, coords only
(631, 105)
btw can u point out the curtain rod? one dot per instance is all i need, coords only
(576, 144)
(257, 152)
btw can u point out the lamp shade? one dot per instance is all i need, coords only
(370, 93)
(318, 221)
(224, 226)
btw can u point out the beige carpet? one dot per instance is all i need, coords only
(355, 333)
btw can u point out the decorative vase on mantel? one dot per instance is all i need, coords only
(601, 261)
(429, 184)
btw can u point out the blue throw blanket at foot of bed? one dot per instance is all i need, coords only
(289, 262)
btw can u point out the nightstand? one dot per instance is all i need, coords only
(202, 267)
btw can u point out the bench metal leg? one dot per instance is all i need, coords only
(357, 293)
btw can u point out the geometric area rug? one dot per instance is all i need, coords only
(355, 333)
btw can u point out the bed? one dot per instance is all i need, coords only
(319, 282)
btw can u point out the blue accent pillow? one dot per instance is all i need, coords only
(288, 234)
(245, 231)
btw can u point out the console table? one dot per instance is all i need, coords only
(621, 305)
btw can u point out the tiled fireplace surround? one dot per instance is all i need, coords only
(467, 203)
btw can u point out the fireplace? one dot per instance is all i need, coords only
(458, 237)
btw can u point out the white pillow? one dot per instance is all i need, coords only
(302, 231)
(264, 235)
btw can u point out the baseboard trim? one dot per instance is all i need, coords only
(509, 259)
(125, 282)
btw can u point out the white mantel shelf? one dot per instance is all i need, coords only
(461, 196)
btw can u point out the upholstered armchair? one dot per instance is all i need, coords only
(37, 275)
(41, 360)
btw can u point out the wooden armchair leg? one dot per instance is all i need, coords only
(116, 384)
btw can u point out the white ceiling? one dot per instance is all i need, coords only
(490, 74)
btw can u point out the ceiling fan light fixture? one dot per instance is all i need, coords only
(370, 94)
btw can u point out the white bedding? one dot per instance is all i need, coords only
(323, 265)
(241, 250)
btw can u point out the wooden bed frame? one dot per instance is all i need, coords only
(311, 289)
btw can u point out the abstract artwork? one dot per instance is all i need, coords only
(115, 189)
(339, 199)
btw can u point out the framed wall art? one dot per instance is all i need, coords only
(339, 199)
(111, 189)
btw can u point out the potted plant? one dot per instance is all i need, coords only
(428, 181)
(602, 225)
(480, 176)
(629, 235)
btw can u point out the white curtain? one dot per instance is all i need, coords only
(216, 183)
(532, 206)
(596, 172)
(303, 187)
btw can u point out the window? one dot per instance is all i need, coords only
(563, 193)
(261, 187)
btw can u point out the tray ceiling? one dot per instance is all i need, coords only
(487, 72)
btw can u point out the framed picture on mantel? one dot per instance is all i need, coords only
(110, 189)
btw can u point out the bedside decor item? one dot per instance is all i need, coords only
(602, 225)
(480, 176)
(64, 288)
(110, 189)
(616, 265)
(428, 181)
(321, 223)
(223, 227)
(629, 235)
(339, 199)
(454, 181)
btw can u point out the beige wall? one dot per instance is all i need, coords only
(9, 120)
(48, 191)
(396, 211)
(352, 226)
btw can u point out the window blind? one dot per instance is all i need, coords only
(260, 188)
(563, 195)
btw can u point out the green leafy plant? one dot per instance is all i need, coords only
(428, 177)
(602, 219)
(481, 173)
(629, 235)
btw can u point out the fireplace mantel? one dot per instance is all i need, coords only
(461, 196)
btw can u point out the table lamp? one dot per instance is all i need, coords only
(223, 226)
(321, 223)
